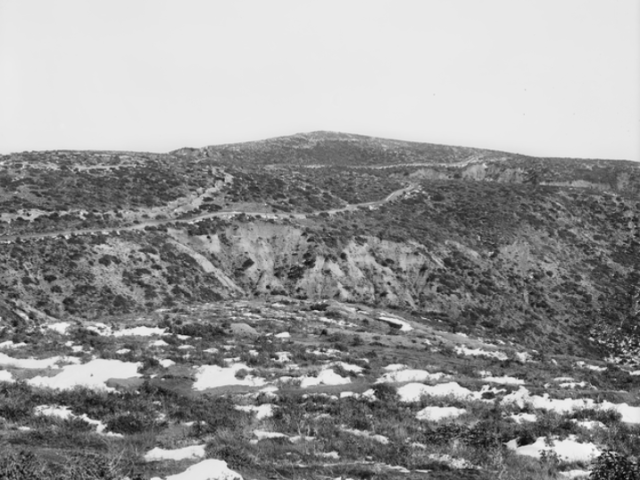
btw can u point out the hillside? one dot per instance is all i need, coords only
(475, 249)
(545, 248)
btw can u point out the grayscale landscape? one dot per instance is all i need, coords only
(436, 278)
(321, 305)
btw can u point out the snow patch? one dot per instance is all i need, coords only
(404, 326)
(576, 473)
(478, 352)
(364, 433)
(283, 357)
(568, 450)
(452, 462)
(60, 327)
(158, 454)
(573, 384)
(325, 377)
(504, 380)
(413, 392)
(261, 411)
(411, 375)
(595, 368)
(333, 455)
(394, 367)
(212, 376)
(209, 469)
(521, 397)
(65, 413)
(589, 424)
(264, 435)
(92, 375)
(9, 344)
(140, 332)
(523, 417)
(523, 357)
(34, 364)
(436, 414)
(329, 352)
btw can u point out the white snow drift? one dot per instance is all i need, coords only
(158, 454)
(212, 376)
(568, 450)
(91, 375)
(435, 414)
(209, 469)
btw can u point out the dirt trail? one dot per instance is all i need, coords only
(220, 214)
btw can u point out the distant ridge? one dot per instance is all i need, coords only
(416, 151)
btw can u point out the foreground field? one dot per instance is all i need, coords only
(302, 390)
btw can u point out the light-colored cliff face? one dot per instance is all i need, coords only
(263, 258)
(267, 259)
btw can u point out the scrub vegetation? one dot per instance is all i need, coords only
(318, 306)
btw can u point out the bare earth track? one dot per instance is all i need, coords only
(221, 214)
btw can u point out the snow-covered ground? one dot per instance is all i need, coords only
(261, 411)
(478, 352)
(575, 473)
(410, 375)
(395, 367)
(325, 377)
(10, 345)
(65, 413)
(92, 375)
(504, 380)
(213, 376)
(209, 469)
(371, 436)
(568, 450)
(522, 397)
(436, 414)
(397, 322)
(35, 364)
(158, 454)
(523, 417)
(413, 392)
(60, 327)
(266, 435)
(140, 332)
(415, 381)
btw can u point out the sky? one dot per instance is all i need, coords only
(539, 77)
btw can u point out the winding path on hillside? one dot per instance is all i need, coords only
(220, 214)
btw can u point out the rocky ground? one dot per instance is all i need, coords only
(301, 390)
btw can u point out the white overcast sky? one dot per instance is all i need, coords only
(540, 77)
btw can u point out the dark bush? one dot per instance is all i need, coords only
(613, 466)
(129, 423)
